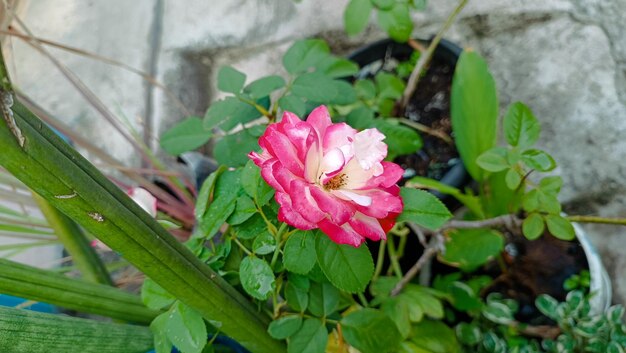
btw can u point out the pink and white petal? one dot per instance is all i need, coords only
(340, 136)
(359, 199)
(332, 163)
(341, 234)
(383, 203)
(259, 159)
(301, 135)
(368, 227)
(289, 118)
(304, 203)
(357, 177)
(369, 148)
(282, 176)
(287, 214)
(267, 172)
(392, 173)
(319, 119)
(312, 163)
(144, 199)
(282, 148)
(339, 210)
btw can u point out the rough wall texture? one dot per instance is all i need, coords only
(565, 58)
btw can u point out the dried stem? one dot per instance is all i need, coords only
(427, 130)
(427, 55)
(431, 250)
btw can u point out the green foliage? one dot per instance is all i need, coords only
(401, 140)
(423, 208)
(257, 277)
(187, 135)
(154, 296)
(323, 299)
(183, 327)
(370, 331)
(285, 326)
(470, 248)
(474, 110)
(356, 16)
(346, 267)
(299, 255)
(312, 337)
(230, 80)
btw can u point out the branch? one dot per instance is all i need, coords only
(509, 221)
(596, 219)
(427, 55)
(433, 247)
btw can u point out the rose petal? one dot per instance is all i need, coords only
(283, 149)
(338, 210)
(340, 136)
(368, 227)
(341, 235)
(304, 203)
(370, 150)
(383, 203)
(320, 120)
(287, 214)
(359, 199)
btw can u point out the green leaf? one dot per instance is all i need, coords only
(162, 344)
(257, 277)
(185, 328)
(312, 337)
(468, 333)
(389, 86)
(493, 160)
(228, 113)
(232, 150)
(297, 298)
(383, 4)
(397, 308)
(154, 296)
(223, 204)
(365, 89)
(396, 22)
(551, 185)
(305, 54)
(315, 87)
(463, 297)
(430, 305)
(264, 244)
(323, 299)
(244, 209)
(299, 253)
(264, 86)
(187, 135)
(346, 95)
(285, 326)
(521, 128)
(293, 104)
(547, 305)
(206, 190)
(356, 16)
(255, 226)
(360, 118)
(254, 185)
(539, 160)
(335, 67)
(474, 110)
(346, 267)
(423, 208)
(230, 80)
(470, 248)
(533, 226)
(470, 201)
(560, 227)
(400, 140)
(370, 331)
(498, 312)
(512, 179)
(435, 337)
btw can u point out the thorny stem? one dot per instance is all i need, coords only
(427, 55)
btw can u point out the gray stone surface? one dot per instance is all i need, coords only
(565, 58)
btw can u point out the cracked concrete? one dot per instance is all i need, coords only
(565, 58)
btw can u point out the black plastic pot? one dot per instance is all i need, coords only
(446, 52)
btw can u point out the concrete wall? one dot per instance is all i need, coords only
(565, 58)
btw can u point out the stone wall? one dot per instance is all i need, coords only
(565, 58)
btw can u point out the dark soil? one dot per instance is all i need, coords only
(430, 106)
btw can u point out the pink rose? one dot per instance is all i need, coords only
(331, 177)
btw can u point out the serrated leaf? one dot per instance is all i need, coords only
(474, 110)
(314, 86)
(222, 205)
(346, 267)
(539, 160)
(297, 298)
(187, 135)
(434, 337)
(232, 150)
(256, 277)
(370, 331)
(305, 54)
(230, 80)
(254, 185)
(162, 344)
(185, 328)
(360, 118)
(206, 190)
(397, 308)
(470, 201)
(251, 228)
(335, 67)
(400, 140)
(312, 337)
(346, 94)
(293, 104)
(396, 22)
(264, 244)
(493, 160)
(423, 208)
(244, 209)
(299, 253)
(512, 179)
(228, 113)
(285, 326)
(264, 86)
(365, 89)
(470, 248)
(551, 185)
(430, 305)
(389, 86)
(533, 226)
(560, 227)
(356, 16)
(463, 296)
(154, 296)
(521, 128)
(323, 299)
